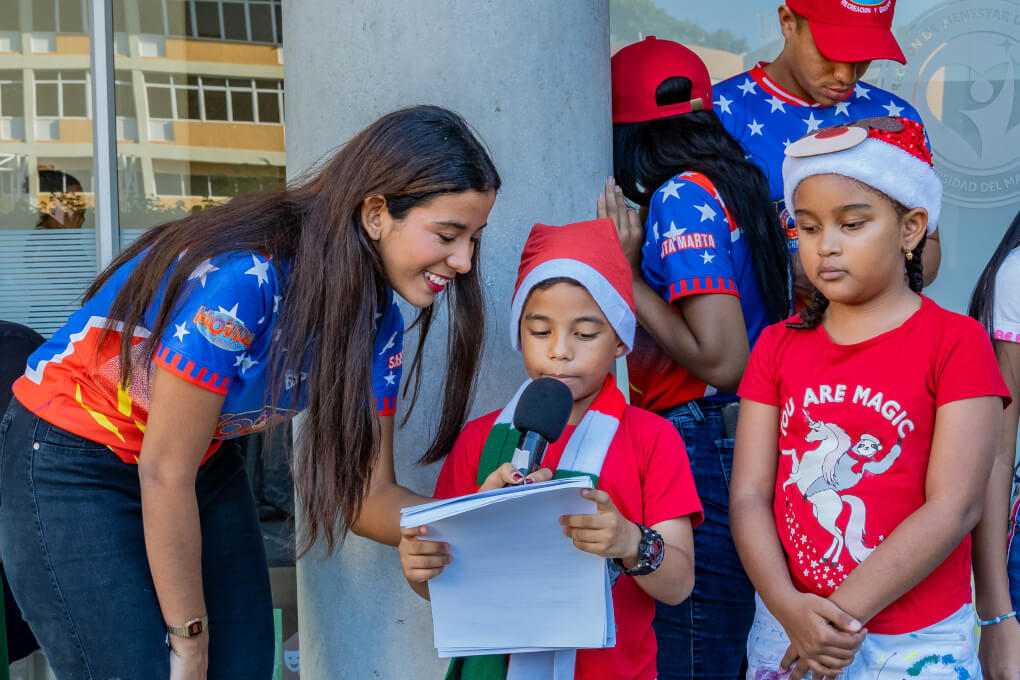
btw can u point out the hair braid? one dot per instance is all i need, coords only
(811, 315)
(915, 268)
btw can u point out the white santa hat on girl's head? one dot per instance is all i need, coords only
(889, 154)
(587, 252)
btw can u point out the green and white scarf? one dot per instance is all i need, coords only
(584, 454)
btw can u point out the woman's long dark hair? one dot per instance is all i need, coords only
(647, 154)
(812, 315)
(336, 284)
(982, 300)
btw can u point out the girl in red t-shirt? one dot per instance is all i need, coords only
(867, 429)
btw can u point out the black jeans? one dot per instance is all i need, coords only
(705, 637)
(72, 543)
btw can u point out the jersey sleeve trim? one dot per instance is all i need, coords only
(702, 285)
(189, 371)
(387, 406)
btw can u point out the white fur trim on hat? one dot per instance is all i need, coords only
(609, 300)
(878, 164)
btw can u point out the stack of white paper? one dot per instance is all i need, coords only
(516, 583)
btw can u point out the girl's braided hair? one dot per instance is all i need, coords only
(811, 316)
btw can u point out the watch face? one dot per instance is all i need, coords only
(194, 628)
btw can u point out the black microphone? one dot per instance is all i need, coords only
(541, 414)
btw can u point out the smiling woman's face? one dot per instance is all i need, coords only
(423, 252)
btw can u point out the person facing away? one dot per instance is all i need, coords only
(996, 304)
(127, 526)
(710, 270)
(814, 83)
(572, 315)
(864, 569)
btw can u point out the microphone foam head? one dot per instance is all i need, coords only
(544, 408)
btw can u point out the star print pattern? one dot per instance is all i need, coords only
(218, 338)
(669, 189)
(765, 120)
(692, 246)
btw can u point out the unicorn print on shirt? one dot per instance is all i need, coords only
(834, 465)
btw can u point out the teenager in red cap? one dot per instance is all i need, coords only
(710, 270)
(571, 316)
(812, 84)
(868, 427)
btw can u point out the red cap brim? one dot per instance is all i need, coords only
(855, 43)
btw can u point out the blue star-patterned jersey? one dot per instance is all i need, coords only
(219, 339)
(766, 119)
(692, 247)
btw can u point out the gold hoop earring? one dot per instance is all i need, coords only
(909, 254)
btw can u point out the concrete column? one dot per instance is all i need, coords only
(532, 77)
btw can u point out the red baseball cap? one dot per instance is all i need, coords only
(639, 69)
(851, 30)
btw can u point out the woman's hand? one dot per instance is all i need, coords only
(421, 560)
(628, 224)
(606, 533)
(823, 638)
(189, 657)
(507, 475)
(999, 651)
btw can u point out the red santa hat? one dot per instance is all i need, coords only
(587, 252)
(889, 154)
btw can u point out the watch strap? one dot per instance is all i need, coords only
(190, 628)
(650, 552)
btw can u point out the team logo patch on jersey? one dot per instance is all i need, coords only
(223, 329)
(674, 244)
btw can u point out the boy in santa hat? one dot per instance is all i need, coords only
(572, 316)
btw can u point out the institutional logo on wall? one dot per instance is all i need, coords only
(963, 65)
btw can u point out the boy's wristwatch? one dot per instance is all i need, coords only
(650, 552)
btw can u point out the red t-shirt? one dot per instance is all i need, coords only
(647, 475)
(855, 435)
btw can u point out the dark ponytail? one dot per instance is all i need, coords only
(811, 315)
(647, 154)
(982, 300)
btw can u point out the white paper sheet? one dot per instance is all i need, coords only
(516, 583)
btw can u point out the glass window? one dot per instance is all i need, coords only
(10, 18)
(150, 16)
(47, 99)
(74, 100)
(169, 184)
(261, 22)
(44, 15)
(269, 107)
(216, 105)
(159, 102)
(12, 99)
(123, 93)
(241, 106)
(178, 18)
(47, 229)
(72, 16)
(234, 24)
(207, 19)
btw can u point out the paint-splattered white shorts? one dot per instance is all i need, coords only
(946, 649)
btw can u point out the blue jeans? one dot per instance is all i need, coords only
(706, 636)
(72, 544)
(1013, 563)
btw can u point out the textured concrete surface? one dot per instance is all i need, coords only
(532, 77)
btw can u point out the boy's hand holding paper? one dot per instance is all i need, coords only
(510, 540)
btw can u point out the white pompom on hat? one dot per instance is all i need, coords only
(889, 154)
